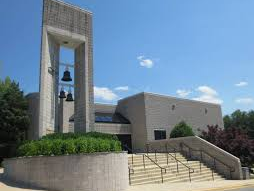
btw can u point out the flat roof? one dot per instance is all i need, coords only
(167, 96)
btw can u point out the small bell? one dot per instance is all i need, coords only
(67, 75)
(69, 96)
(62, 94)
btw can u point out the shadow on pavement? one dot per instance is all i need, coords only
(13, 183)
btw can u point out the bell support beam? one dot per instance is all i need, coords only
(66, 85)
(66, 64)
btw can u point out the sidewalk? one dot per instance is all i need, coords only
(197, 186)
(6, 185)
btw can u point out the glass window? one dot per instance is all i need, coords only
(159, 134)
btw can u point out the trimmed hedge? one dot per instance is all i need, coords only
(70, 143)
(79, 135)
(181, 130)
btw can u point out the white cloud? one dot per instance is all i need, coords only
(183, 93)
(145, 62)
(208, 94)
(246, 100)
(122, 88)
(241, 84)
(104, 94)
(207, 90)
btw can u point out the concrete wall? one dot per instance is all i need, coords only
(164, 112)
(200, 144)
(84, 172)
(133, 108)
(33, 110)
(66, 110)
(112, 128)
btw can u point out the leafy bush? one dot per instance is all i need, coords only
(70, 143)
(181, 130)
(78, 135)
(232, 140)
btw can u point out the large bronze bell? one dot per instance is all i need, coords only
(69, 97)
(67, 76)
(62, 94)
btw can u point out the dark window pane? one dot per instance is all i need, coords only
(159, 134)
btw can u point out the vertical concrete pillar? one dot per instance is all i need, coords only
(66, 110)
(48, 107)
(83, 118)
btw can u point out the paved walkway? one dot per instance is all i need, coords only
(6, 185)
(196, 186)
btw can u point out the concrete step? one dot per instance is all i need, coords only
(155, 169)
(175, 178)
(191, 164)
(152, 173)
(176, 181)
(140, 175)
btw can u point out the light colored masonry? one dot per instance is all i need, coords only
(135, 120)
(65, 25)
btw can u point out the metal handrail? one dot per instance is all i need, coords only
(231, 169)
(191, 170)
(130, 169)
(162, 168)
(132, 153)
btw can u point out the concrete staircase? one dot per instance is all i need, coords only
(152, 173)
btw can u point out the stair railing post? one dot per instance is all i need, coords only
(214, 163)
(144, 161)
(147, 148)
(212, 174)
(200, 161)
(189, 175)
(155, 153)
(177, 166)
(230, 173)
(161, 176)
(129, 176)
(166, 147)
(132, 158)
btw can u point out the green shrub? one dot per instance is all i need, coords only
(70, 143)
(181, 130)
(54, 136)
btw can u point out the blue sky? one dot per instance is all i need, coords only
(202, 50)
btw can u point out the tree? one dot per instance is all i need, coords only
(232, 140)
(241, 120)
(14, 117)
(181, 130)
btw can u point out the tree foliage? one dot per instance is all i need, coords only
(241, 120)
(181, 130)
(232, 140)
(14, 119)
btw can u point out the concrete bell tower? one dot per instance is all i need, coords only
(69, 26)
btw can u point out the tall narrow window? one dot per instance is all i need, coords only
(159, 134)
